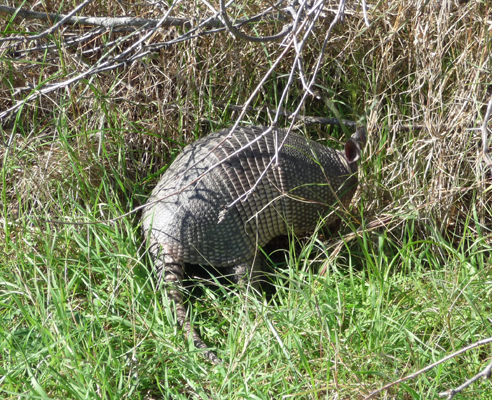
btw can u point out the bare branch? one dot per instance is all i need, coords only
(50, 30)
(93, 21)
(483, 374)
(129, 22)
(429, 367)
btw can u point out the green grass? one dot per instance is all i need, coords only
(80, 317)
(406, 282)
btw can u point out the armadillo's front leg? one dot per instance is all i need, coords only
(170, 272)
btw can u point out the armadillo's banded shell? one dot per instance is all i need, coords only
(191, 221)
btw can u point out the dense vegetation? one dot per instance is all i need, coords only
(407, 280)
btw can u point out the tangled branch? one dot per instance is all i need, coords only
(304, 15)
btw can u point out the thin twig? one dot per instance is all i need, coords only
(235, 32)
(364, 11)
(306, 119)
(485, 146)
(71, 41)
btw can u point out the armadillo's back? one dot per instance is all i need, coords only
(194, 219)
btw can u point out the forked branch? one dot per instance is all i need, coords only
(451, 392)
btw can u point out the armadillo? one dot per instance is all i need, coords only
(232, 191)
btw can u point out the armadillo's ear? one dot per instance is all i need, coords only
(352, 150)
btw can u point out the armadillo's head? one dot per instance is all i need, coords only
(354, 146)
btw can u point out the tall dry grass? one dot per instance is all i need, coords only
(422, 65)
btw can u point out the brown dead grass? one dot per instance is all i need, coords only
(421, 63)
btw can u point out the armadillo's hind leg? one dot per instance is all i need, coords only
(247, 272)
(170, 273)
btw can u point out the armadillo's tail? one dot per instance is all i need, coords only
(170, 272)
